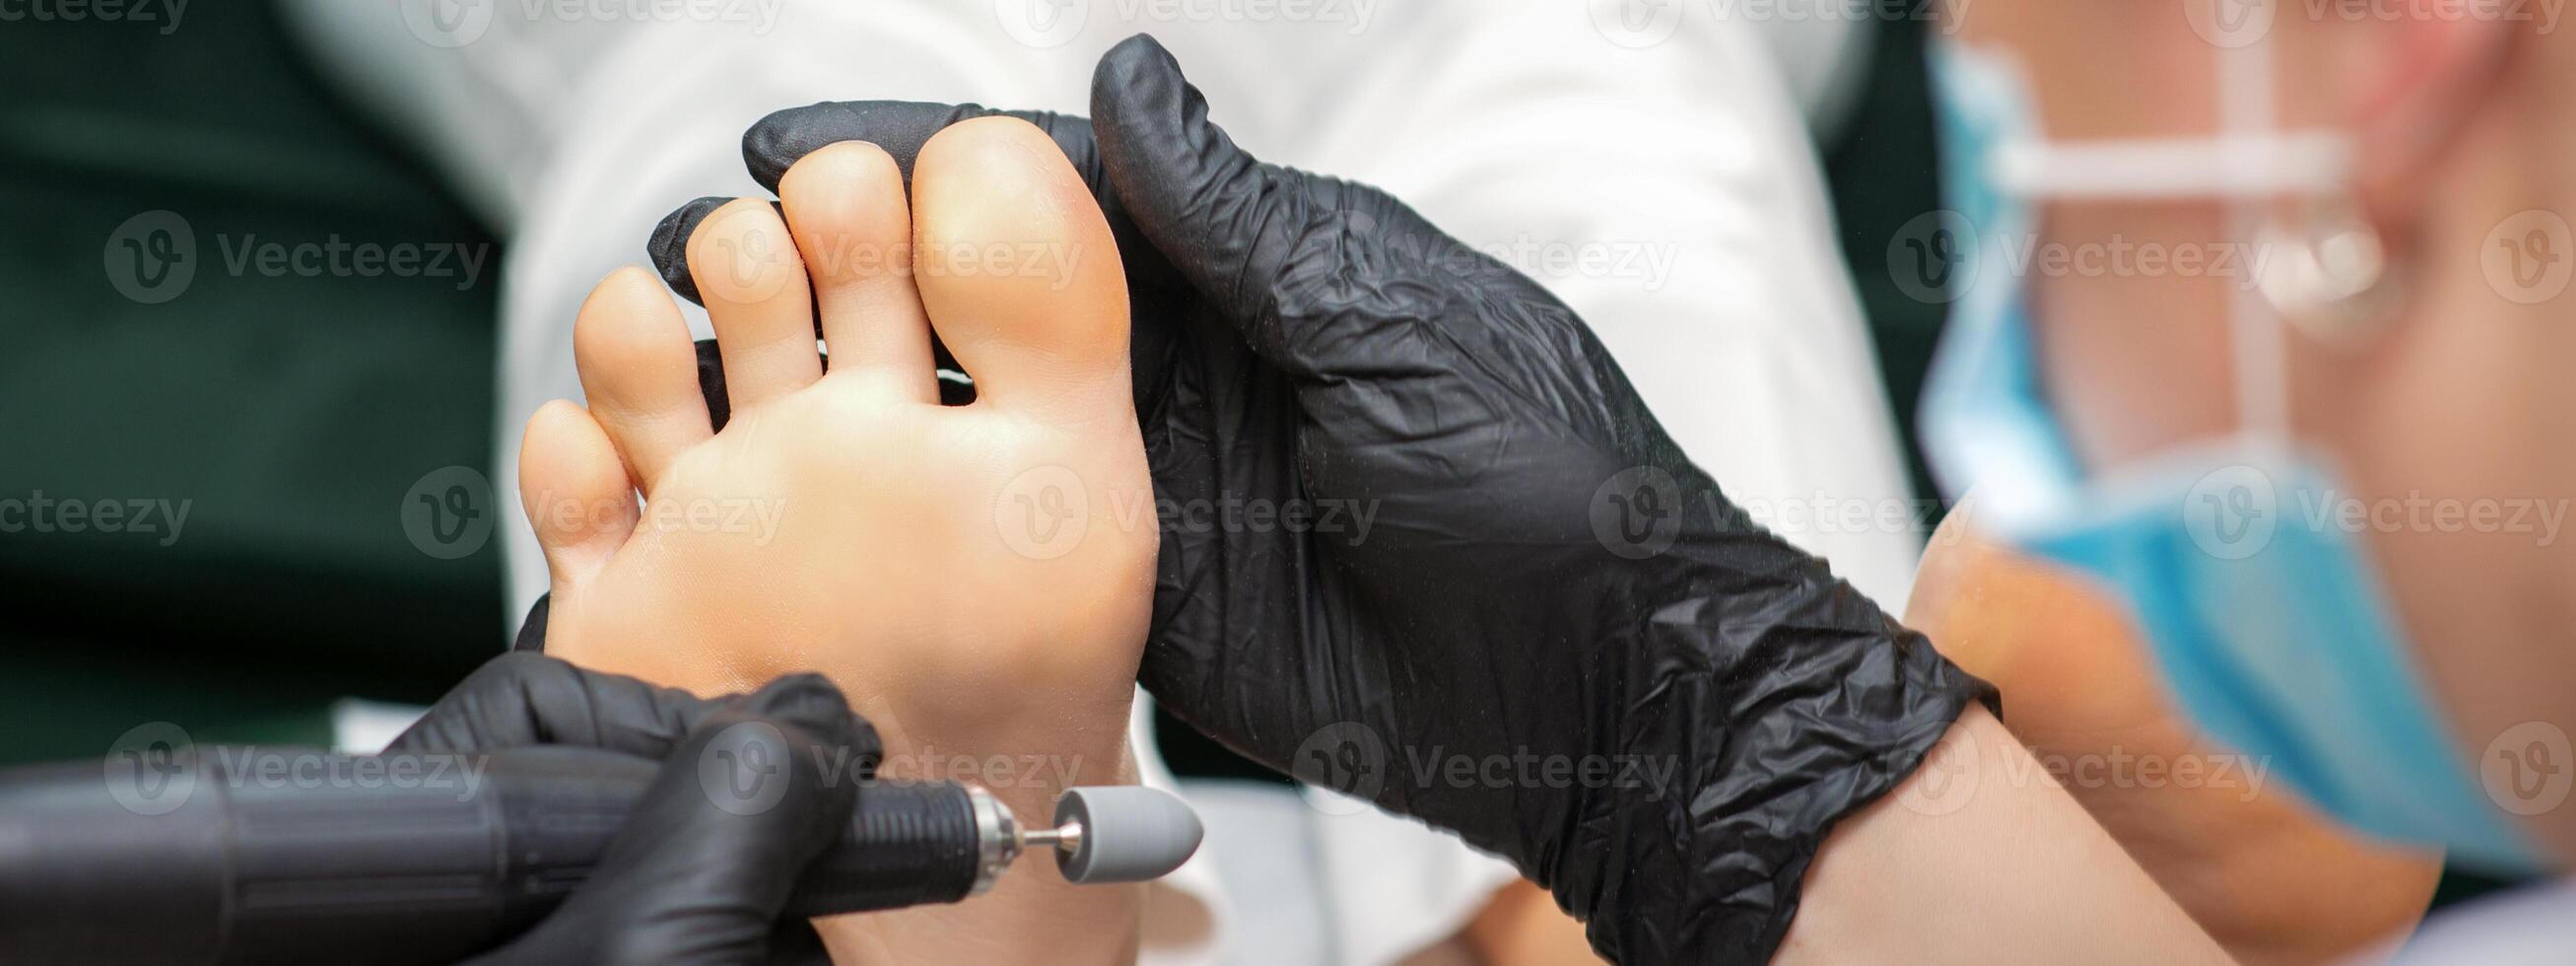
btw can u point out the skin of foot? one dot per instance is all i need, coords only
(2271, 880)
(977, 578)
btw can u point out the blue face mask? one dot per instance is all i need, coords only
(2264, 614)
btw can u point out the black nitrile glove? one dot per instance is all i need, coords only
(1544, 587)
(685, 881)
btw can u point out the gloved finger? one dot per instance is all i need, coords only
(1226, 220)
(669, 245)
(707, 861)
(778, 141)
(1278, 252)
(524, 698)
(531, 638)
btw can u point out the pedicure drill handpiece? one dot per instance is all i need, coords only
(223, 862)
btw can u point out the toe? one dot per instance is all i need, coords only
(846, 205)
(1019, 271)
(575, 491)
(754, 285)
(640, 373)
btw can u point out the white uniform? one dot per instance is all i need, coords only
(1663, 185)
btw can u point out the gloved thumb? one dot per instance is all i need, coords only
(1223, 218)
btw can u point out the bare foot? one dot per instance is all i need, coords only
(978, 578)
(2271, 880)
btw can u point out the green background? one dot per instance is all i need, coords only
(291, 413)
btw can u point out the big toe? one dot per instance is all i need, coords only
(1019, 272)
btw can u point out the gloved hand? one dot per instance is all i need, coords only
(685, 881)
(1664, 708)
